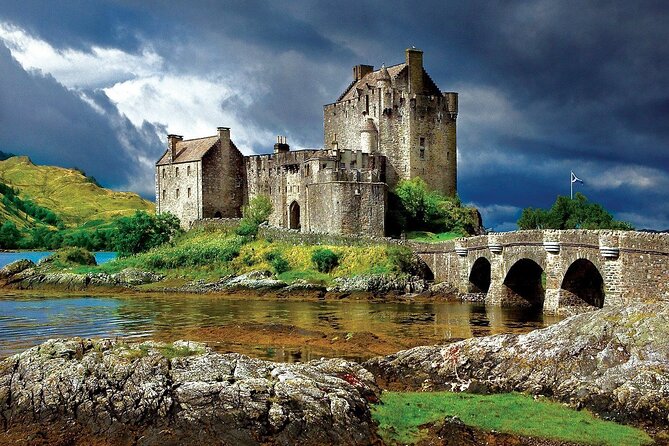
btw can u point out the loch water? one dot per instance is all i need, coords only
(280, 330)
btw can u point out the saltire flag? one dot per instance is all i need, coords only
(575, 179)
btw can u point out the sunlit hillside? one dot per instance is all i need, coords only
(68, 193)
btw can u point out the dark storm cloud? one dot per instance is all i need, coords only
(53, 125)
(581, 85)
(80, 24)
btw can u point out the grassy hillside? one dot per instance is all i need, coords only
(73, 197)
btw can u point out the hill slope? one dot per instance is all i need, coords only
(67, 192)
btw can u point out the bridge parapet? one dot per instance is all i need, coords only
(632, 265)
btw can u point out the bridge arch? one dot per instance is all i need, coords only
(524, 284)
(582, 284)
(480, 276)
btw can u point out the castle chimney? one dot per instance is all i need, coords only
(360, 71)
(281, 145)
(172, 141)
(414, 60)
(224, 136)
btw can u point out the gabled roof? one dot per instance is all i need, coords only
(395, 72)
(190, 150)
(371, 79)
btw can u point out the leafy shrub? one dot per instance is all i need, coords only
(325, 260)
(413, 207)
(78, 256)
(279, 264)
(253, 215)
(143, 231)
(9, 235)
(401, 259)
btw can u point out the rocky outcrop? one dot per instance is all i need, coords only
(15, 267)
(380, 283)
(136, 395)
(24, 274)
(614, 361)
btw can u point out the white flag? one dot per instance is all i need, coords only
(574, 178)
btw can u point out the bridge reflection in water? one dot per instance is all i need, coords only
(550, 269)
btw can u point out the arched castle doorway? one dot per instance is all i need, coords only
(294, 215)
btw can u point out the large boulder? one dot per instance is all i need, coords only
(80, 391)
(614, 361)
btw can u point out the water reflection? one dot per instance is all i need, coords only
(279, 330)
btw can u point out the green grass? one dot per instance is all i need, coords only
(401, 413)
(431, 237)
(68, 193)
(210, 254)
(310, 276)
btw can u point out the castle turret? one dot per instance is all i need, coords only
(383, 82)
(414, 60)
(368, 136)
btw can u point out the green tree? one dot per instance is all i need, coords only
(567, 213)
(254, 214)
(9, 235)
(143, 231)
(413, 207)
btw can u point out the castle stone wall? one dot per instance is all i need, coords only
(223, 178)
(347, 208)
(178, 191)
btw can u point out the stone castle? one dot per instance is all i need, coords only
(389, 124)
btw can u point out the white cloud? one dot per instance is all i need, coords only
(78, 69)
(187, 105)
(630, 176)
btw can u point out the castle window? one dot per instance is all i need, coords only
(421, 141)
(176, 172)
(188, 171)
(189, 192)
(177, 193)
(163, 169)
(164, 193)
(422, 153)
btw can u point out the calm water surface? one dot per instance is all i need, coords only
(36, 256)
(27, 321)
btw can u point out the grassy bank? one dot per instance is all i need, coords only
(432, 237)
(209, 254)
(402, 413)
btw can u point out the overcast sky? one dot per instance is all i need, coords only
(545, 87)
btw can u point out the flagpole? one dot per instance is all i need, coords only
(571, 185)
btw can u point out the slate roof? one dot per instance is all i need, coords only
(394, 71)
(190, 150)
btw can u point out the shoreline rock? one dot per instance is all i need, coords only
(181, 393)
(614, 361)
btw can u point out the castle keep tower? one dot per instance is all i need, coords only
(399, 112)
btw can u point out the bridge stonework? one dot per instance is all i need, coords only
(552, 269)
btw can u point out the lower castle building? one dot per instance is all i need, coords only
(388, 125)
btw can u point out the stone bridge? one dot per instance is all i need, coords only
(551, 269)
